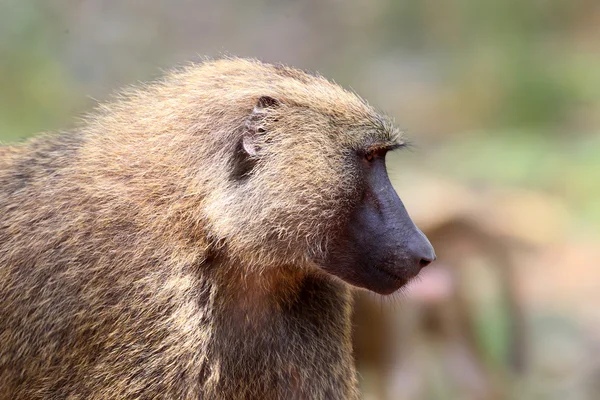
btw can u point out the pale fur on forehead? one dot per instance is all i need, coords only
(248, 79)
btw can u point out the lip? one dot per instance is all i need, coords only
(395, 281)
(388, 273)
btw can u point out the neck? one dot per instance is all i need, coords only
(283, 334)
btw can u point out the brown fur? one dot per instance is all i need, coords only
(132, 264)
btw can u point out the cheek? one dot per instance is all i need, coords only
(309, 192)
(309, 175)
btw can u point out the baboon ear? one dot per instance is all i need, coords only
(248, 149)
(266, 102)
(255, 124)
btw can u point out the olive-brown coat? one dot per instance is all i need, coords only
(135, 263)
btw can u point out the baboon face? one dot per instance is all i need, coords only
(327, 193)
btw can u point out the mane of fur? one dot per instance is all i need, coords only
(132, 265)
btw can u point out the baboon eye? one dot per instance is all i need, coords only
(374, 154)
(370, 156)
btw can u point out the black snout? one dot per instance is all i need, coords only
(382, 249)
(409, 247)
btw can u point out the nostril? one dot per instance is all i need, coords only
(422, 251)
(428, 259)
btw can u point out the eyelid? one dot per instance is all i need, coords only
(377, 151)
(390, 147)
(381, 150)
(372, 154)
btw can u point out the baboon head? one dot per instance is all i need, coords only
(308, 185)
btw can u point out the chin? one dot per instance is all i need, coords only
(383, 286)
(373, 279)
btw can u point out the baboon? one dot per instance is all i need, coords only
(198, 237)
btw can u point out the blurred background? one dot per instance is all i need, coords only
(501, 100)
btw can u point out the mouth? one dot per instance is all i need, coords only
(388, 273)
(394, 280)
(379, 277)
